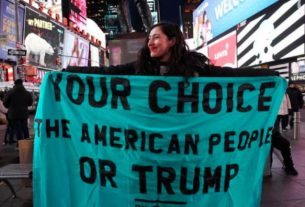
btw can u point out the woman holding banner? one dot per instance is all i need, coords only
(166, 53)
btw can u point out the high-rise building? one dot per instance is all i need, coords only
(188, 6)
(96, 10)
(111, 17)
(104, 13)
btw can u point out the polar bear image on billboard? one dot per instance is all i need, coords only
(37, 48)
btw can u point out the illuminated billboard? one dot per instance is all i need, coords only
(8, 27)
(224, 14)
(222, 52)
(54, 5)
(43, 40)
(273, 35)
(94, 56)
(76, 50)
(76, 12)
(298, 70)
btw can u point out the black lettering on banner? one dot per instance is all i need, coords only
(192, 98)
(56, 85)
(152, 138)
(229, 139)
(165, 180)
(184, 182)
(243, 135)
(52, 128)
(114, 140)
(65, 128)
(207, 98)
(100, 135)
(104, 92)
(189, 180)
(268, 136)
(57, 127)
(261, 137)
(85, 134)
(262, 99)
(38, 121)
(91, 177)
(211, 180)
(230, 93)
(120, 94)
(254, 136)
(153, 96)
(174, 145)
(213, 141)
(245, 139)
(240, 97)
(191, 143)
(143, 141)
(131, 137)
(142, 176)
(73, 80)
(231, 172)
(106, 170)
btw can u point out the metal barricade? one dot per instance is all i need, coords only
(296, 125)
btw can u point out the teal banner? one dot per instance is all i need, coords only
(144, 141)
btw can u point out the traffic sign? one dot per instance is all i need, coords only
(16, 52)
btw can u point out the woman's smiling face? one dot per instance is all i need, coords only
(159, 45)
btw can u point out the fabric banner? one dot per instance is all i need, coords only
(144, 141)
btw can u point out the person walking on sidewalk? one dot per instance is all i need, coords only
(296, 99)
(282, 116)
(281, 143)
(17, 102)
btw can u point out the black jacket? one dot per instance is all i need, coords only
(296, 99)
(17, 101)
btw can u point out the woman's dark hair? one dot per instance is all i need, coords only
(147, 65)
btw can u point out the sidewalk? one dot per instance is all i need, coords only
(279, 190)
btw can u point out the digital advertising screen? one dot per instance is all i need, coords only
(222, 52)
(76, 12)
(43, 40)
(76, 50)
(124, 50)
(276, 34)
(297, 69)
(225, 14)
(94, 56)
(8, 27)
(54, 5)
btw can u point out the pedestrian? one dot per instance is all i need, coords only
(166, 53)
(282, 117)
(17, 102)
(281, 143)
(296, 99)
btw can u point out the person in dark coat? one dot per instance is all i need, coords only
(17, 102)
(296, 99)
(279, 142)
